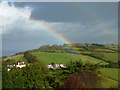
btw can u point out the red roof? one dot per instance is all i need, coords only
(21, 63)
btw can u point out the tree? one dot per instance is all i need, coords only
(6, 80)
(29, 57)
(82, 79)
(35, 75)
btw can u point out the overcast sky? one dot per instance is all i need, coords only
(78, 22)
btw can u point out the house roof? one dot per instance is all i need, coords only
(21, 63)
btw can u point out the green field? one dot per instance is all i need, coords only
(47, 58)
(109, 77)
(110, 72)
(113, 47)
(104, 50)
(108, 83)
(111, 57)
(16, 58)
(93, 60)
(64, 58)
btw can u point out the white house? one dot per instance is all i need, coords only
(56, 66)
(21, 64)
(49, 66)
(9, 67)
(62, 66)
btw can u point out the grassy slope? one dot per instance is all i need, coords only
(104, 50)
(109, 83)
(114, 47)
(93, 60)
(107, 74)
(111, 57)
(63, 57)
(16, 58)
(110, 72)
(47, 58)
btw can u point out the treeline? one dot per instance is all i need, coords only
(68, 48)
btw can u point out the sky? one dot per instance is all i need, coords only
(80, 22)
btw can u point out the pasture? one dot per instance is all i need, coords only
(111, 57)
(110, 72)
(64, 58)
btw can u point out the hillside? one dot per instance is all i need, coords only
(104, 58)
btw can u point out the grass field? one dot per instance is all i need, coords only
(108, 83)
(16, 58)
(93, 60)
(64, 58)
(109, 77)
(47, 58)
(114, 47)
(110, 72)
(111, 57)
(104, 50)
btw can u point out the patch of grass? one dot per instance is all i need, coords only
(110, 72)
(108, 83)
(16, 58)
(114, 47)
(47, 58)
(104, 50)
(93, 60)
(111, 57)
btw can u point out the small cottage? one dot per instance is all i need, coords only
(21, 64)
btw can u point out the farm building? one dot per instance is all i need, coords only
(21, 64)
(54, 66)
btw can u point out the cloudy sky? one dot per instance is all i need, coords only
(77, 22)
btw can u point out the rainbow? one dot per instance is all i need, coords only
(53, 31)
(61, 37)
(50, 29)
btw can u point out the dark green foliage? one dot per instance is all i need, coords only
(4, 56)
(35, 76)
(17, 78)
(74, 66)
(78, 65)
(29, 57)
(8, 62)
(56, 77)
(32, 76)
(6, 79)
